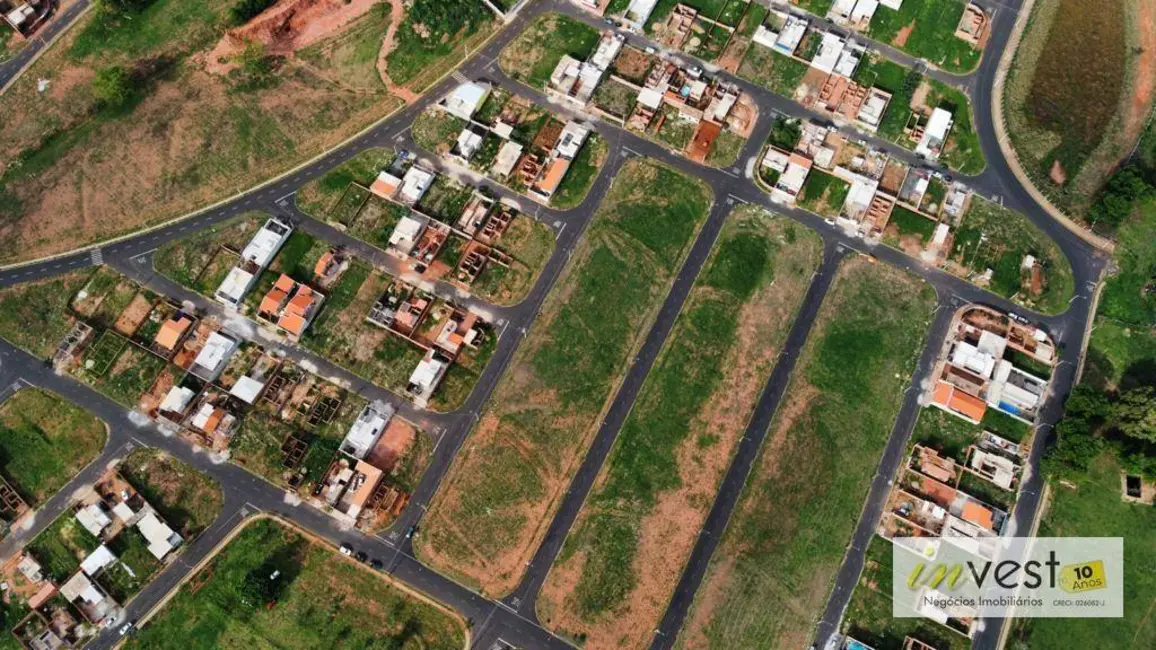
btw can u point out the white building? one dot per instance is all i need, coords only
(465, 100)
(97, 560)
(828, 55)
(212, 358)
(426, 377)
(864, 10)
(93, 519)
(637, 13)
(849, 59)
(162, 539)
(468, 144)
(366, 430)
(571, 139)
(254, 259)
(414, 185)
(247, 389)
(840, 11)
(791, 35)
(934, 134)
(177, 400)
(507, 158)
(892, 4)
(405, 234)
(873, 108)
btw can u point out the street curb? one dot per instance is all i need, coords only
(269, 181)
(320, 541)
(47, 46)
(1008, 151)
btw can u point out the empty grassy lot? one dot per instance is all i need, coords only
(62, 546)
(498, 497)
(926, 29)
(44, 442)
(531, 243)
(1067, 92)
(35, 316)
(772, 70)
(319, 196)
(823, 193)
(321, 600)
(185, 135)
(1009, 237)
(625, 554)
(582, 173)
(187, 499)
(534, 54)
(198, 261)
(785, 541)
(1096, 510)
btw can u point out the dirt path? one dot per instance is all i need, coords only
(396, 14)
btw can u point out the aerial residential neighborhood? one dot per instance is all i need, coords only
(604, 324)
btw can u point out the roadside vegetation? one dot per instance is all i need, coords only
(318, 600)
(44, 442)
(319, 197)
(487, 519)
(639, 525)
(34, 316)
(772, 572)
(1075, 102)
(434, 36)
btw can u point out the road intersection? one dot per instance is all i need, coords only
(513, 618)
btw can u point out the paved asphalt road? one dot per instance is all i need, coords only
(513, 619)
(11, 69)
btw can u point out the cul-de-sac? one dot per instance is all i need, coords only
(596, 324)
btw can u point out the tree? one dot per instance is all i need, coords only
(1135, 413)
(112, 86)
(1115, 202)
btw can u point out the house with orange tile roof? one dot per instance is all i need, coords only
(460, 329)
(171, 334)
(552, 178)
(290, 306)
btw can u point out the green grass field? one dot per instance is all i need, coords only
(1009, 237)
(187, 499)
(484, 522)
(1096, 510)
(725, 150)
(35, 316)
(62, 546)
(696, 400)
(932, 32)
(908, 224)
(532, 56)
(44, 442)
(772, 70)
(823, 193)
(320, 600)
(436, 131)
(198, 262)
(773, 570)
(531, 243)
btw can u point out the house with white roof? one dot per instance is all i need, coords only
(97, 561)
(507, 157)
(176, 401)
(414, 185)
(426, 377)
(570, 140)
(830, 49)
(791, 34)
(406, 233)
(247, 389)
(93, 519)
(162, 539)
(849, 59)
(935, 134)
(637, 13)
(366, 430)
(466, 99)
(255, 258)
(211, 360)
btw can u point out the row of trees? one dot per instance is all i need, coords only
(1121, 193)
(1095, 420)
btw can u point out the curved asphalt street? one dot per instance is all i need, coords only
(513, 619)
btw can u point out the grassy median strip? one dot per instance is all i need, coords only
(318, 600)
(639, 525)
(771, 575)
(491, 512)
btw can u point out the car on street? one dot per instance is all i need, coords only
(127, 628)
(346, 550)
